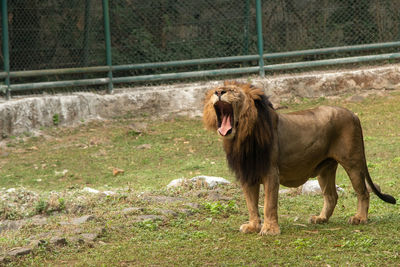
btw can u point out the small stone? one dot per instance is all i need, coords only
(339, 189)
(83, 219)
(132, 210)
(19, 251)
(144, 146)
(142, 218)
(89, 237)
(60, 173)
(108, 193)
(58, 241)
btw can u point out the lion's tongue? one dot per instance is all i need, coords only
(225, 125)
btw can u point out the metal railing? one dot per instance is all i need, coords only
(238, 41)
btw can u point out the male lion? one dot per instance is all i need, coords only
(264, 147)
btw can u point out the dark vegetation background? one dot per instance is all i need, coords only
(63, 34)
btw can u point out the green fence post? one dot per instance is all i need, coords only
(260, 44)
(6, 54)
(107, 33)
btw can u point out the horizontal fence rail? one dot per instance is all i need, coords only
(110, 74)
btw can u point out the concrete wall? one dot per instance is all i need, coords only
(28, 114)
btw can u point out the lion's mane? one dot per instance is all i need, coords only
(248, 153)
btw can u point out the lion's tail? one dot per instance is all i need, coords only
(385, 197)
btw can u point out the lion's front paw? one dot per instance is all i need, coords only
(270, 229)
(318, 220)
(250, 228)
(357, 220)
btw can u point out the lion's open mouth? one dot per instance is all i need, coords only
(224, 112)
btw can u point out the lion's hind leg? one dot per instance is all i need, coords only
(326, 179)
(358, 182)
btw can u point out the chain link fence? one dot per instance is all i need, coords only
(55, 34)
(296, 25)
(166, 30)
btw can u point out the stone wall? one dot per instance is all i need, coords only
(30, 113)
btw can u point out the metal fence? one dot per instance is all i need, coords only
(54, 43)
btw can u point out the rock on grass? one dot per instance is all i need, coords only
(19, 251)
(199, 181)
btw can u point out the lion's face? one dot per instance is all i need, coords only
(230, 109)
(226, 101)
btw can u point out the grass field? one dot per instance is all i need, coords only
(138, 157)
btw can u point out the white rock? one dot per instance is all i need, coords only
(95, 191)
(90, 190)
(339, 189)
(311, 187)
(61, 173)
(211, 181)
(11, 190)
(176, 183)
(108, 193)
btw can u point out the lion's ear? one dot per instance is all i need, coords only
(209, 116)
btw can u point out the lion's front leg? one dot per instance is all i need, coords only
(271, 190)
(251, 193)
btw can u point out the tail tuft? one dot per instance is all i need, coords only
(385, 197)
(388, 198)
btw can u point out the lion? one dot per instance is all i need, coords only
(268, 148)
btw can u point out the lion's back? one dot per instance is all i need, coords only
(322, 116)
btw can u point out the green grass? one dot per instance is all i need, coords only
(180, 147)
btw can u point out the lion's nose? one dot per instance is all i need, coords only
(220, 93)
